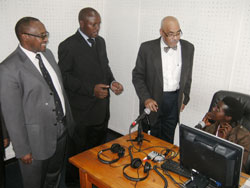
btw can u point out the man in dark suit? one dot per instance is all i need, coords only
(162, 78)
(34, 106)
(87, 79)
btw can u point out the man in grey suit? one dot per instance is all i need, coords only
(162, 78)
(34, 106)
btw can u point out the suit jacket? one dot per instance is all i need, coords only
(27, 106)
(2, 174)
(239, 135)
(82, 68)
(148, 75)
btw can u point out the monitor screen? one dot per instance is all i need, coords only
(211, 156)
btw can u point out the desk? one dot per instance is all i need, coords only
(92, 171)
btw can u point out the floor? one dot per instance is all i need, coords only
(13, 175)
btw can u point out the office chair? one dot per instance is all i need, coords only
(245, 101)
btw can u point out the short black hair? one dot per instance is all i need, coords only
(87, 12)
(234, 108)
(23, 24)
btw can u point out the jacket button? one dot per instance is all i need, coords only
(51, 93)
(55, 124)
(54, 110)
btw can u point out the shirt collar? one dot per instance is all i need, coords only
(30, 54)
(83, 35)
(163, 44)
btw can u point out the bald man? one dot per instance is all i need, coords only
(162, 78)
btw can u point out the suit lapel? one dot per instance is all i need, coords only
(29, 66)
(184, 65)
(156, 48)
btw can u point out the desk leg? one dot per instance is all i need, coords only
(84, 182)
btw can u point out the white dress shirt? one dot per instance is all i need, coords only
(85, 37)
(171, 67)
(35, 61)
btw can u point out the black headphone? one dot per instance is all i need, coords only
(136, 163)
(115, 148)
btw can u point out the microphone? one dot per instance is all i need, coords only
(142, 116)
(200, 125)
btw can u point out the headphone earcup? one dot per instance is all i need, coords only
(136, 163)
(147, 167)
(115, 148)
(121, 152)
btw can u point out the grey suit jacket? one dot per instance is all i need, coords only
(27, 106)
(148, 76)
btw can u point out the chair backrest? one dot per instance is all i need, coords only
(244, 100)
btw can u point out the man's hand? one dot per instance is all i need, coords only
(101, 91)
(151, 104)
(182, 107)
(207, 117)
(224, 130)
(6, 142)
(117, 88)
(27, 159)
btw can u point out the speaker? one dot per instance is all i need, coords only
(136, 163)
(115, 148)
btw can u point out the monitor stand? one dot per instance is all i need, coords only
(198, 181)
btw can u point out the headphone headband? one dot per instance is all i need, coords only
(115, 148)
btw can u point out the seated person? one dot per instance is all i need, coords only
(222, 121)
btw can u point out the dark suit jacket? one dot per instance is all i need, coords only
(148, 75)
(82, 68)
(238, 135)
(27, 106)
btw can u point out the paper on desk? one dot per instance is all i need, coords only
(246, 184)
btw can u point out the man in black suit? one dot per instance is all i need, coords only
(162, 78)
(87, 79)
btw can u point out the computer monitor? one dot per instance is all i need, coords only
(211, 156)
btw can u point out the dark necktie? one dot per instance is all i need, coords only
(92, 41)
(46, 76)
(166, 49)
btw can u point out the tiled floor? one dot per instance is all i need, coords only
(13, 175)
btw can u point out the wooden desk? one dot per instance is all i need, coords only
(92, 171)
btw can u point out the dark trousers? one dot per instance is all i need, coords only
(168, 117)
(2, 170)
(2, 173)
(45, 173)
(87, 137)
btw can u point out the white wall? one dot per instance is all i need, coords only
(219, 29)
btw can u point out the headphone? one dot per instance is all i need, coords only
(136, 163)
(115, 148)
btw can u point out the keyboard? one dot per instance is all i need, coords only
(173, 166)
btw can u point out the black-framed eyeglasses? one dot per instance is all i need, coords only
(42, 36)
(172, 35)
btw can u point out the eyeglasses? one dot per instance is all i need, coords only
(42, 36)
(172, 35)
